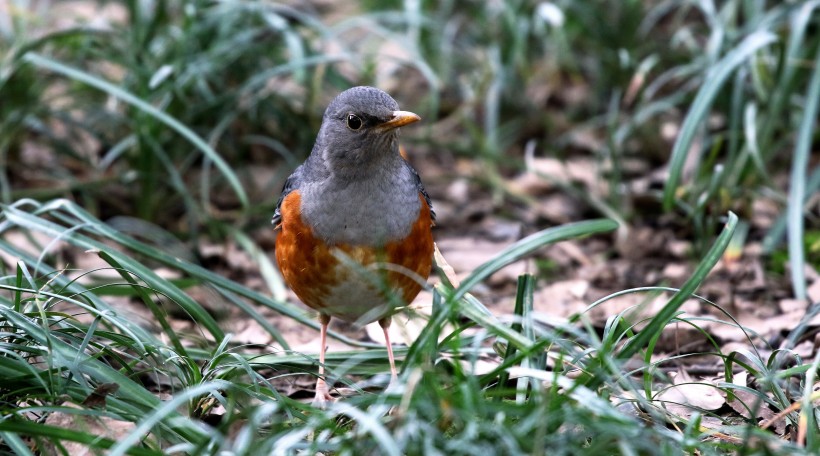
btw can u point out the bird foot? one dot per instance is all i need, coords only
(323, 396)
(393, 385)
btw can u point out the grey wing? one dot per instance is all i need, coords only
(422, 191)
(291, 184)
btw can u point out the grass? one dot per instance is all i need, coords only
(164, 112)
(62, 338)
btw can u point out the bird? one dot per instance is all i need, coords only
(354, 223)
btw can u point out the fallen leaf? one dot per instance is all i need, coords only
(102, 426)
(97, 397)
(445, 267)
(813, 291)
(467, 253)
(688, 392)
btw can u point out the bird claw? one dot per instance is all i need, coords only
(320, 401)
(323, 396)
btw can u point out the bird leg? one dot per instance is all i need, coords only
(322, 393)
(385, 324)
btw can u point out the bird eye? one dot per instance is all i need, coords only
(354, 122)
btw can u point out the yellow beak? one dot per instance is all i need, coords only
(399, 119)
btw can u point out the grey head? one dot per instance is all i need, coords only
(359, 132)
(355, 187)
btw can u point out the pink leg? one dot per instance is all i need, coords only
(322, 392)
(385, 323)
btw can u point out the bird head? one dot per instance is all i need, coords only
(360, 130)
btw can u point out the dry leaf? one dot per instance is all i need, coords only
(688, 392)
(97, 397)
(97, 425)
(445, 267)
(746, 402)
(467, 253)
(813, 292)
(562, 298)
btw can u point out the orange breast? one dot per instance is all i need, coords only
(353, 283)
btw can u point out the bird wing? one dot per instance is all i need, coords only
(291, 184)
(422, 190)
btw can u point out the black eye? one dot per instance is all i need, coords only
(354, 122)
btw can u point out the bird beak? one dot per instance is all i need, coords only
(399, 119)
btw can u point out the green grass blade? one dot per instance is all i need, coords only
(19, 284)
(471, 308)
(54, 433)
(776, 233)
(797, 189)
(167, 408)
(528, 245)
(118, 92)
(663, 317)
(370, 424)
(13, 440)
(713, 81)
(808, 412)
(79, 215)
(799, 22)
(131, 398)
(268, 271)
(30, 221)
(474, 310)
(523, 291)
(146, 299)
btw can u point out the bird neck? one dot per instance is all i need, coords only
(361, 208)
(374, 162)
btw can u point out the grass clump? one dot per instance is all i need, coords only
(62, 339)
